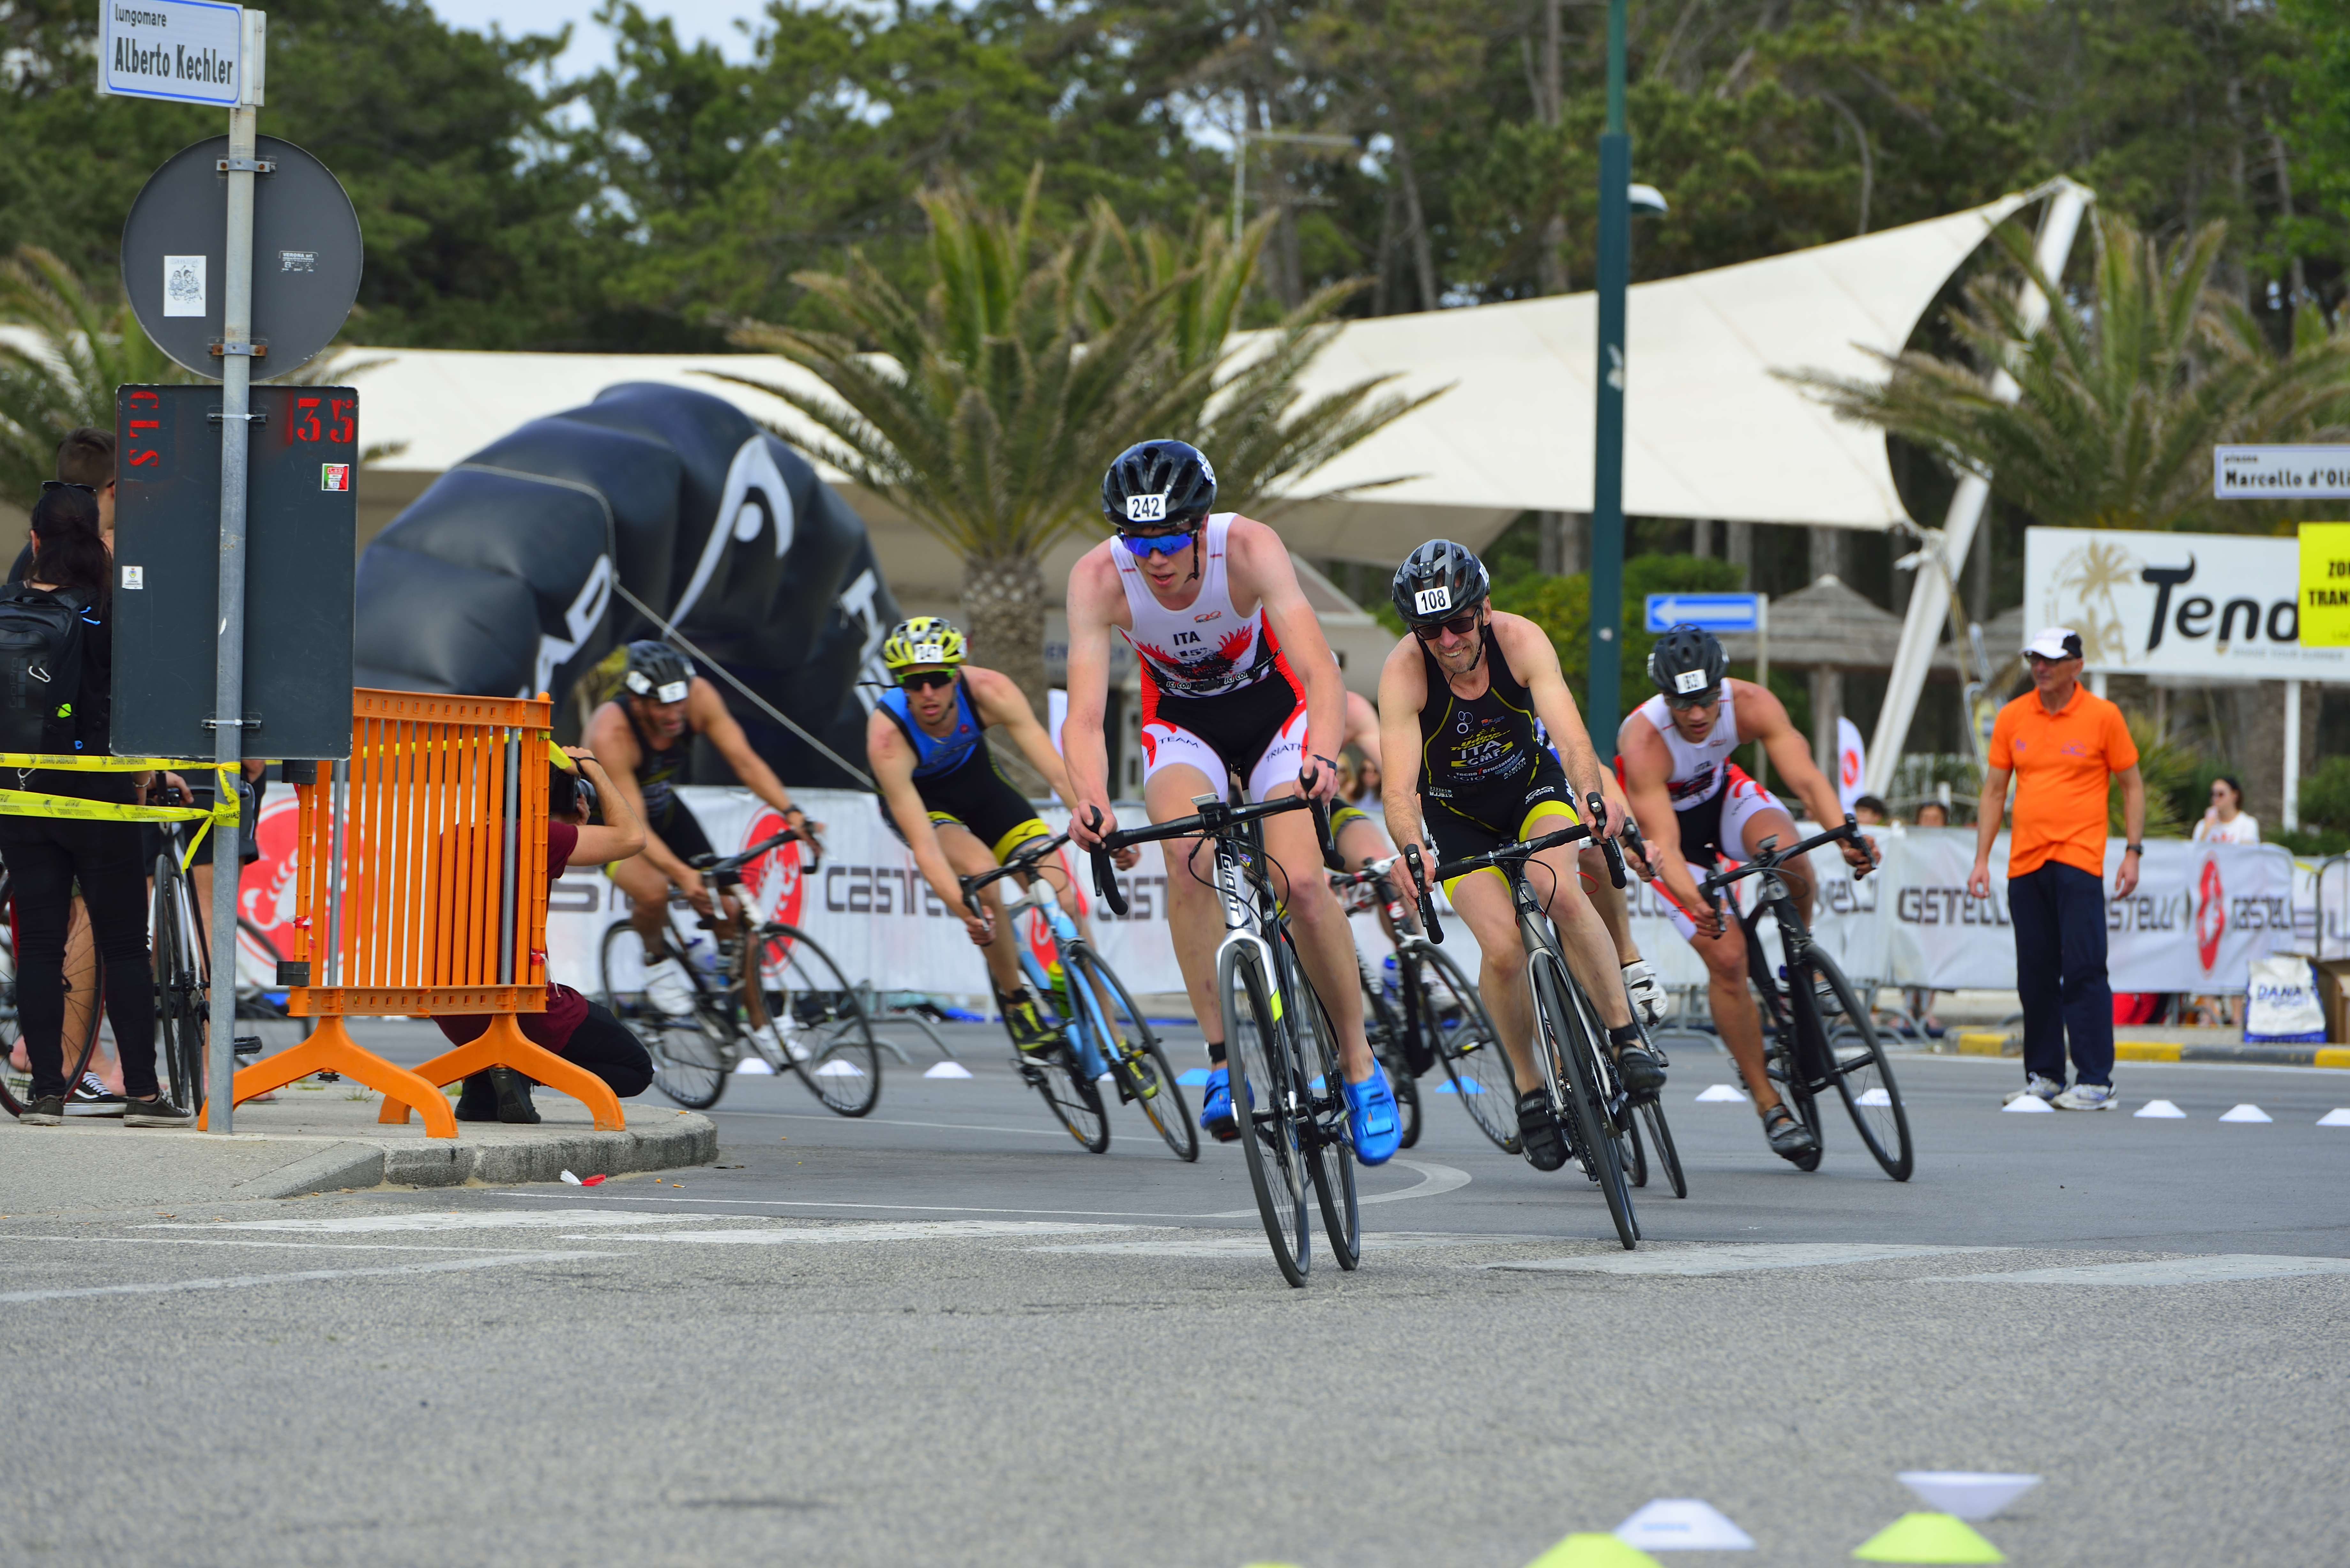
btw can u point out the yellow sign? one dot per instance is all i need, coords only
(2325, 585)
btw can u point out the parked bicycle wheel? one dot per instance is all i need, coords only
(1329, 1151)
(1863, 1076)
(1260, 1075)
(180, 1000)
(1133, 1051)
(820, 1020)
(1381, 1026)
(1562, 1033)
(1457, 1027)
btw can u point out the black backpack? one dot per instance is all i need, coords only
(40, 669)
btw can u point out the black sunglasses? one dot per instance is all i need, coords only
(47, 484)
(929, 680)
(1459, 626)
(1705, 699)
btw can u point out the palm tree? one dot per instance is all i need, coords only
(2123, 394)
(987, 411)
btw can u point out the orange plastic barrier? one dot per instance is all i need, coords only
(426, 894)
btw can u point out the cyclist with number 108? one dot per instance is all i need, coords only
(1237, 679)
(1463, 701)
(1696, 808)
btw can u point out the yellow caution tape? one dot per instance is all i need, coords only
(34, 802)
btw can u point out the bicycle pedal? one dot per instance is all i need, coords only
(247, 1045)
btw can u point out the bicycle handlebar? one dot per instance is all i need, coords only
(1770, 859)
(1213, 819)
(1423, 895)
(727, 864)
(1023, 860)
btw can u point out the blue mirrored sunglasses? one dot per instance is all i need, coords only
(1156, 543)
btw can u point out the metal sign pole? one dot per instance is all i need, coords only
(237, 350)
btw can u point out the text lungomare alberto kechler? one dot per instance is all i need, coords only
(173, 63)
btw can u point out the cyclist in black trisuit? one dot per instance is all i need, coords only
(645, 738)
(1464, 702)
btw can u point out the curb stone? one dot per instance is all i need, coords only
(681, 1140)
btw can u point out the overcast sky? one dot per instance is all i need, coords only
(709, 20)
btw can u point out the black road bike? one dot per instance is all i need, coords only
(1819, 1032)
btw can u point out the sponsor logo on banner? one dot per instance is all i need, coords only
(265, 891)
(2211, 914)
(774, 881)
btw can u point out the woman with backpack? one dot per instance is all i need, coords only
(56, 666)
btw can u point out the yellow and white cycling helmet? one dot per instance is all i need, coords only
(926, 640)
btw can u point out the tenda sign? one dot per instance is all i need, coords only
(2201, 606)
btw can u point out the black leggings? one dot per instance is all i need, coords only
(605, 1047)
(45, 857)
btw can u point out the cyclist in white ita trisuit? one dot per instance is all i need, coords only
(1237, 679)
(1697, 808)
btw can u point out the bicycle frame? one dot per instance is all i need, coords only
(1087, 1029)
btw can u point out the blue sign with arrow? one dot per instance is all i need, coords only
(1715, 612)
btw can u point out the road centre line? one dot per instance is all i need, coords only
(1734, 1258)
(882, 1230)
(2221, 1268)
(886, 1122)
(240, 1242)
(446, 1219)
(304, 1276)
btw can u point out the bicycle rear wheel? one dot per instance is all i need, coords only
(1261, 1089)
(1650, 1124)
(1454, 1020)
(1385, 1035)
(1329, 1147)
(1863, 1076)
(692, 1055)
(819, 1020)
(1563, 1035)
(1132, 1051)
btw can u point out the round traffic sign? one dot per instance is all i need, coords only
(307, 256)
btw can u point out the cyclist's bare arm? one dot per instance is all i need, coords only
(1528, 649)
(706, 714)
(1403, 692)
(1266, 573)
(892, 761)
(1763, 717)
(1003, 705)
(1648, 765)
(1362, 724)
(1096, 604)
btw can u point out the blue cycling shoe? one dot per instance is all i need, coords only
(1216, 1115)
(1371, 1119)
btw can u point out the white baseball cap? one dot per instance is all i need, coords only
(2055, 642)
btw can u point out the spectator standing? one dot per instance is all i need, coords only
(47, 856)
(2226, 821)
(2061, 743)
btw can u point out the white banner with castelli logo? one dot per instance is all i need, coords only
(2201, 914)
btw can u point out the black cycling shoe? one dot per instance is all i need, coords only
(1642, 1073)
(1539, 1134)
(1791, 1140)
(477, 1101)
(513, 1096)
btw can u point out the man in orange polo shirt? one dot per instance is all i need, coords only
(2061, 743)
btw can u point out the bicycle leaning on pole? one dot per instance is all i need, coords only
(1104, 1033)
(776, 995)
(1806, 1051)
(1287, 1095)
(1578, 1074)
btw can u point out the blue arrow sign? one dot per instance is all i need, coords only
(1715, 612)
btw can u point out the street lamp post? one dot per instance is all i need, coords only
(1240, 163)
(1608, 465)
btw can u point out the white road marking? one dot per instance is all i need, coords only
(887, 1122)
(304, 1276)
(1253, 1247)
(1732, 1258)
(872, 1230)
(2218, 1269)
(241, 1242)
(474, 1220)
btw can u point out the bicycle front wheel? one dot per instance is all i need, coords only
(1594, 1132)
(1863, 1076)
(1459, 1031)
(819, 1020)
(1261, 1093)
(1649, 1124)
(1132, 1051)
(1324, 1131)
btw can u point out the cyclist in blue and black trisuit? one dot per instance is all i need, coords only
(943, 796)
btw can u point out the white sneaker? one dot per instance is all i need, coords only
(2086, 1097)
(2046, 1088)
(666, 991)
(1647, 996)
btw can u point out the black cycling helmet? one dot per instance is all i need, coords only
(1438, 581)
(1159, 486)
(1687, 659)
(659, 671)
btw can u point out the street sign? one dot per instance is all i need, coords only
(189, 51)
(2280, 473)
(302, 538)
(2324, 614)
(1715, 612)
(306, 255)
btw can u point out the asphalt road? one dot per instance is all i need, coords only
(945, 1334)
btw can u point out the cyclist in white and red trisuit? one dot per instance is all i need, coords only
(1237, 681)
(1698, 808)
